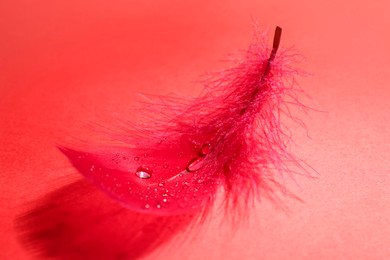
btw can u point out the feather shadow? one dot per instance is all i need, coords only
(78, 222)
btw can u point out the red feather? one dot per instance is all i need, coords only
(230, 137)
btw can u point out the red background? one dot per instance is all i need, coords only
(65, 64)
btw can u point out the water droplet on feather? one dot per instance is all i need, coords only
(143, 173)
(195, 164)
(205, 149)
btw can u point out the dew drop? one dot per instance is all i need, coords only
(165, 166)
(143, 173)
(136, 158)
(147, 206)
(158, 206)
(92, 168)
(161, 184)
(205, 149)
(165, 200)
(195, 164)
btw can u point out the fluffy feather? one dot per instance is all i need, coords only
(231, 136)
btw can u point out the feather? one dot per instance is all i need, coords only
(231, 136)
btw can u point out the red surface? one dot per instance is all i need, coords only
(66, 65)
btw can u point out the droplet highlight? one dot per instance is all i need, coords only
(143, 173)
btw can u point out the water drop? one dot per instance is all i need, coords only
(92, 168)
(165, 166)
(147, 206)
(136, 158)
(195, 164)
(158, 206)
(161, 184)
(205, 149)
(143, 172)
(165, 200)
